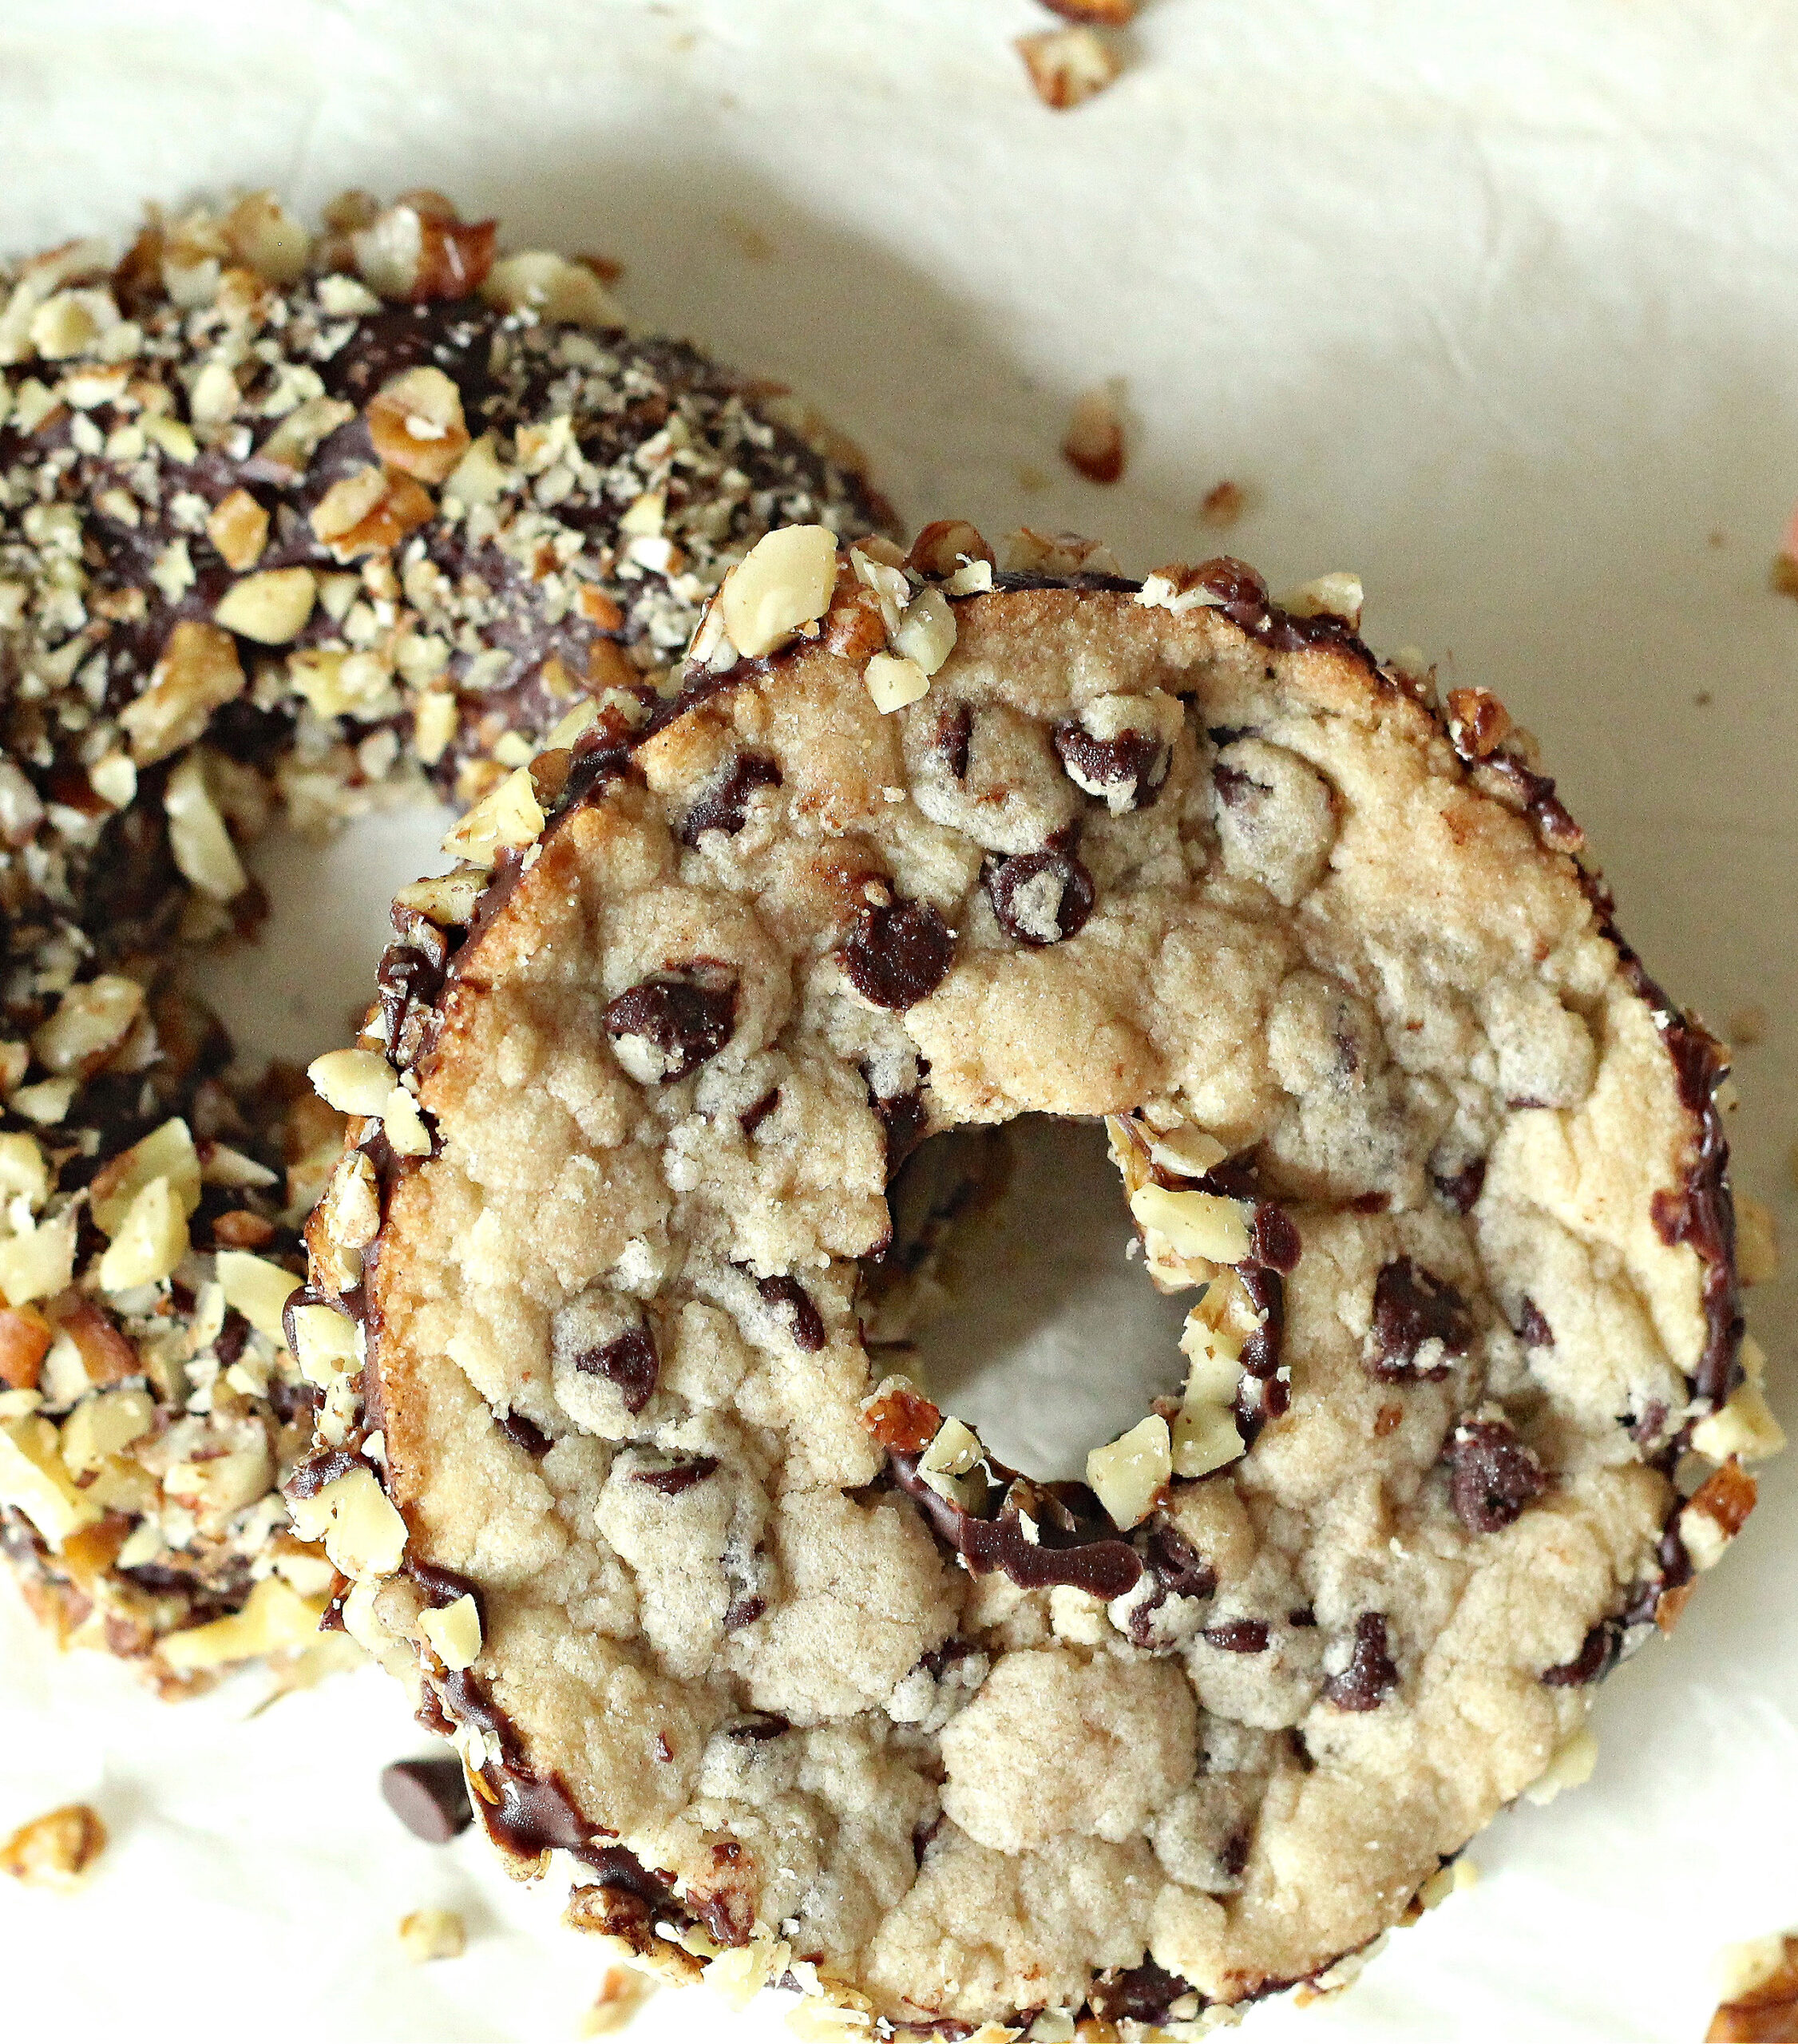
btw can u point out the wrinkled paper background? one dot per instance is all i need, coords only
(1497, 305)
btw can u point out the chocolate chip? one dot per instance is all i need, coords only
(1532, 1331)
(725, 805)
(429, 1796)
(752, 1118)
(682, 1476)
(1492, 1476)
(757, 1726)
(1272, 1238)
(1234, 787)
(1135, 759)
(955, 731)
(805, 1323)
(897, 953)
(1462, 1189)
(1233, 1855)
(1040, 897)
(1413, 1309)
(526, 1433)
(678, 1018)
(744, 1611)
(628, 1360)
(1238, 1636)
(1370, 1676)
(1598, 1654)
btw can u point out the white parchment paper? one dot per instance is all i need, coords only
(1497, 306)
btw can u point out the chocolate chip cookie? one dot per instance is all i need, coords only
(288, 521)
(814, 1689)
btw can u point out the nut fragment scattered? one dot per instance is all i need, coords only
(1096, 14)
(257, 1288)
(428, 1933)
(363, 1533)
(56, 1850)
(453, 1634)
(1094, 440)
(1570, 1766)
(892, 682)
(415, 421)
(199, 672)
(1224, 503)
(239, 528)
(1130, 1476)
(622, 1990)
(275, 1618)
(1067, 66)
(1758, 1997)
(1196, 1224)
(271, 607)
(781, 585)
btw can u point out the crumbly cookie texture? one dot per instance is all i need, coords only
(288, 522)
(812, 1687)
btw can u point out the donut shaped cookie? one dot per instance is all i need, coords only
(286, 521)
(813, 1688)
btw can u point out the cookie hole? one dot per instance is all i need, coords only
(301, 985)
(1010, 1295)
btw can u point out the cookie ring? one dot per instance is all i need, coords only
(814, 1690)
(283, 517)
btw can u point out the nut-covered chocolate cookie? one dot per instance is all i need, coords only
(811, 1686)
(283, 517)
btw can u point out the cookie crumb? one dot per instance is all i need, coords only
(1096, 14)
(56, 1850)
(1747, 1026)
(1225, 502)
(622, 1990)
(428, 1933)
(1067, 66)
(1759, 1989)
(1094, 442)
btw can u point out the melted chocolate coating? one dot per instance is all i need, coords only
(1598, 1653)
(1077, 1544)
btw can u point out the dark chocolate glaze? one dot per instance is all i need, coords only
(1139, 1994)
(1078, 1544)
(1598, 1655)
